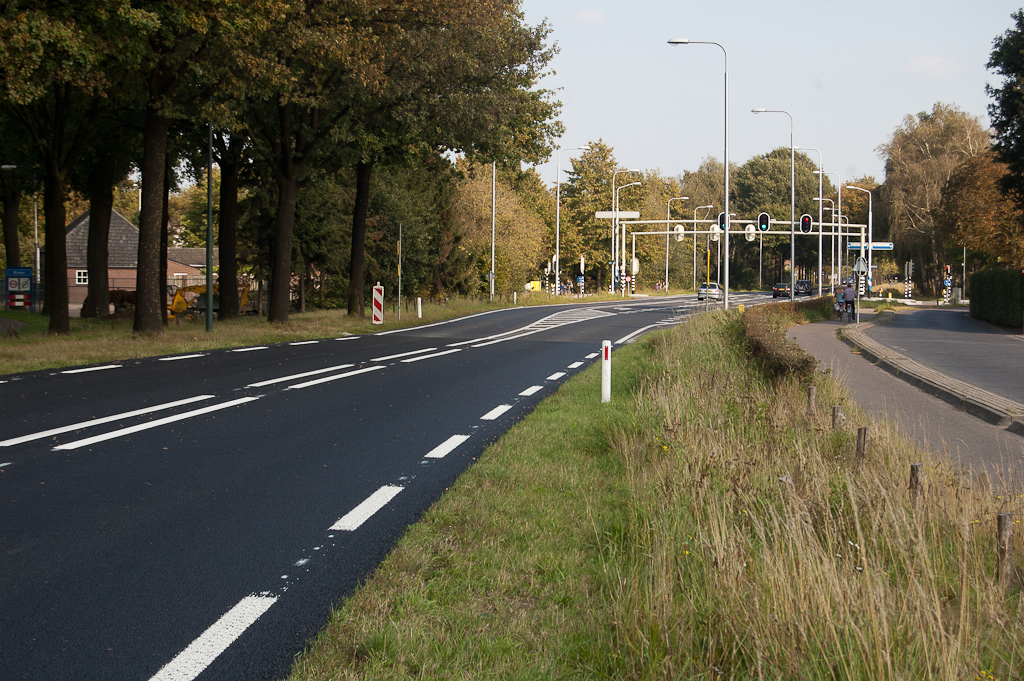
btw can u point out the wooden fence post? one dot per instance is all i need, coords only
(837, 416)
(811, 394)
(1004, 532)
(862, 442)
(915, 484)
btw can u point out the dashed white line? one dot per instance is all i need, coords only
(593, 355)
(302, 375)
(6, 464)
(576, 365)
(403, 354)
(105, 419)
(555, 376)
(257, 347)
(436, 354)
(532, 390)
(191, 662)
(364, 511)
(177, 357)
(82, 371)
(299, 386)
(312, 342)
(446, 447)
(347, 338)
(152, 424)
(496, 412)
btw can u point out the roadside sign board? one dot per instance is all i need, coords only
(378, 304)
(861, 266)
(19, 288)
(874, 246)
(623, 215)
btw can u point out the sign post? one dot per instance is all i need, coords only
(19, 288)
(378, 304)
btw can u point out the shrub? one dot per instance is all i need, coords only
(997, 296)
(765, 329)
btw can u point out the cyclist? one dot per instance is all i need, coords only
(849, 295)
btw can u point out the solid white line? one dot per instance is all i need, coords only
(304, 343)
(299, 386)
(446, 447)
(635, 333)
(364, 511)
(555, 376)
(258, 347)
(172, 359)
(593, 355)
(105, 419)
(347, 338)
(502, 340)
(5, 464)
(82, 371)
(303, 375)
(191, 662)
(436, 354)
(532, 390)
(153, 424)
(447, 321)
(496, 412)
(404, 354)
(576, 365)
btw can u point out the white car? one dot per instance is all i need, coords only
(709, 291)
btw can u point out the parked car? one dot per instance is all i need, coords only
(780, 289)
(709, 291)
(803, 286)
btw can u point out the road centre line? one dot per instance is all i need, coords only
(496, 412)
(502, 340)
(257, 347)
(347, 338)
(299, 386)
(190, 663)
(436, 354)
(352, 520)
(447, 321)
(635, 333)
(446, 447)
(403, 354)
(593, 355)
(576, 365)
(102, 420)
(302, 375)
(555, 376)
(152, 424)
(177, 357)
(312, 342)
(532, 390)
(82, 371)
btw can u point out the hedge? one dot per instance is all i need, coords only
(997, 297)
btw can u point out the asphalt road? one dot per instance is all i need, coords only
(952, 342)
(196, 516)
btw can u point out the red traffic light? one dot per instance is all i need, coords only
(806, 225)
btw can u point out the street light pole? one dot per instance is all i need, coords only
(836, 272)
(709, 207)
(622, 243)
(870, 232)
(615, 223)
(821, 283)
(792, 201)
(725, 160)
(558, 208)
(668, 216)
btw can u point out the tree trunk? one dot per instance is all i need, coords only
(148, 312)
(12, 209)
(56, 254)
(281, 273)
(357, 267)
(165, 220)
(302, 287)
(227, 240)
(101, 204)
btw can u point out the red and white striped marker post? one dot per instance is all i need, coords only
(606, 371)
(378, 304)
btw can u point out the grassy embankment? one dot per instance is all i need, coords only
(702, 525)
(93, 341)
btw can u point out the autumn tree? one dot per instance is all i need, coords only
(919, 160)
(1007, 110)
(587, 190)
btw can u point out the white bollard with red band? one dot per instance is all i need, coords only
(606, 371)
(378, 304)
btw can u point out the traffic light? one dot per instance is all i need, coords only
(763, 222)
(721, 221)
(806, 226)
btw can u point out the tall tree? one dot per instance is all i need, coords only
(919, 161)
(1007, 110)
(587, 190)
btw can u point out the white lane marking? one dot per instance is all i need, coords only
(347, 338)
(635, 333)
(593, 355)
(436, 354)
(191, 662)
(502, 340)
(257, 347)
(576, 365)
(447, 321)
(82, 371)
(302, 375)
(299, 386)
(105, 419)
(304, 343)
(5, 464)
(177, 357)
(532, 390)
(152, 424)
(446, 447)
(403, 354)
(496, 412)
(555, 376)
(364, 511)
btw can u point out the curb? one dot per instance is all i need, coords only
(988, 406)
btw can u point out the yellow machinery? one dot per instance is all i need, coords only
(190, 301)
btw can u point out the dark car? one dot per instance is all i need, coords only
(780, 289)
(803, 286)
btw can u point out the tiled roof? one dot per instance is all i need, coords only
(122, 245)
(193, 257)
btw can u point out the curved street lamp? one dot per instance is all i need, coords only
(792, 200)
(558, 208)
(870, 232)
(820, 207)
(622, 243)
(615, 222)
(836, 257)
(710, 207)
(668, 216)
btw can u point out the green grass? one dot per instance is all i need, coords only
(702, 525)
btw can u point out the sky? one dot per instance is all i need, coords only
(848, 73)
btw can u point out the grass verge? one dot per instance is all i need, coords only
(702, 525)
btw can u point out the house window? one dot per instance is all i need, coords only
(82, 277)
